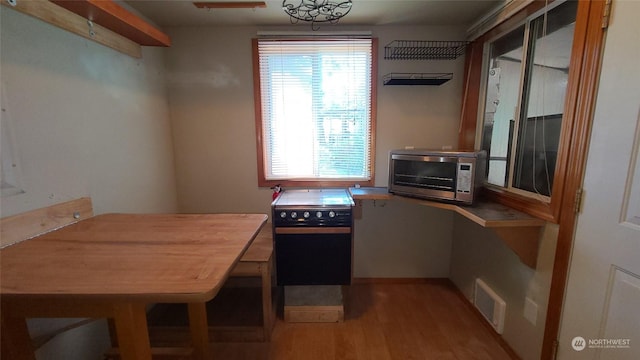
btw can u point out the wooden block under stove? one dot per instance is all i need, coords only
(316, 303)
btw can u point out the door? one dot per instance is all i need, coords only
(319, 258)
(601, 318)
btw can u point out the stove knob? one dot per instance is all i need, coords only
(306, 214)
(294, 214)
(319, 214)
(332, 214)
(283, 214)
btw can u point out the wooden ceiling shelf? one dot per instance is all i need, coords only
(416, 78)
(117, 19)
(101, 21)
(519, 231)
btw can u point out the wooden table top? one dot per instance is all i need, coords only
(145, 257)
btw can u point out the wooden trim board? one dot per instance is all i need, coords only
(117, 19)
(314, 314)
(24, 226)
(592, 54)
(67, 20)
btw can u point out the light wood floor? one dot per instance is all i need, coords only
(383, 321)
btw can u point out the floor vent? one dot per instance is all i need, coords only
(490, 305)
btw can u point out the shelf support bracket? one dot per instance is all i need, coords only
(524, 241)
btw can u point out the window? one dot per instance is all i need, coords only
(314, 117)
(527, 76)
(530, 86)
(531, 82)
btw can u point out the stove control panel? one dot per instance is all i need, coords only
(312, 217)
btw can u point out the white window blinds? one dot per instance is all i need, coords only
(316, 109)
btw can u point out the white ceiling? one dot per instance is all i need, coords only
(166, 13)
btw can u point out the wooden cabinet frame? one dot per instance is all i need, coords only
(579, 107)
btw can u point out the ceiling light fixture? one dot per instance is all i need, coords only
(316, 11)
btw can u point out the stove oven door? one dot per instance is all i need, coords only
(313, 256)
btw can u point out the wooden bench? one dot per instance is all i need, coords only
(258, 261)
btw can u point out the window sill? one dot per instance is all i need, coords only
(312, 183)
(519, 231)
(535, 208)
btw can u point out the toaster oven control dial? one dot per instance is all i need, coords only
(283, 214)
(306, 214)
(332, 214)
(319, 214)
(294, 214)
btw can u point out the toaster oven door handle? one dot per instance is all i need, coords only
(425, 158)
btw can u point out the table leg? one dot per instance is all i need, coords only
(133, 334)
(267, 307)
(113, 335)
(16, 342)
(199, 330)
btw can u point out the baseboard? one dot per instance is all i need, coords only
(358, 281)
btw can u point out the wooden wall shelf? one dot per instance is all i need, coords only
(109, 24)
(117, 19)
(519, 231)
(416, 78)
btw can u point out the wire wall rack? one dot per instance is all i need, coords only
(424, 50)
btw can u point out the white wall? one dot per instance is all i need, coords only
(84, 120)
(401, 239)
(479, 253)
(212, 110)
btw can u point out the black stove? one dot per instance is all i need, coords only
(313, 237)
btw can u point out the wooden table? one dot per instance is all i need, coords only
(113, 266)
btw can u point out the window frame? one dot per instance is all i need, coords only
(260, 144)
(580, 84)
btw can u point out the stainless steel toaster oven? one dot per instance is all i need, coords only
(451, 176)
